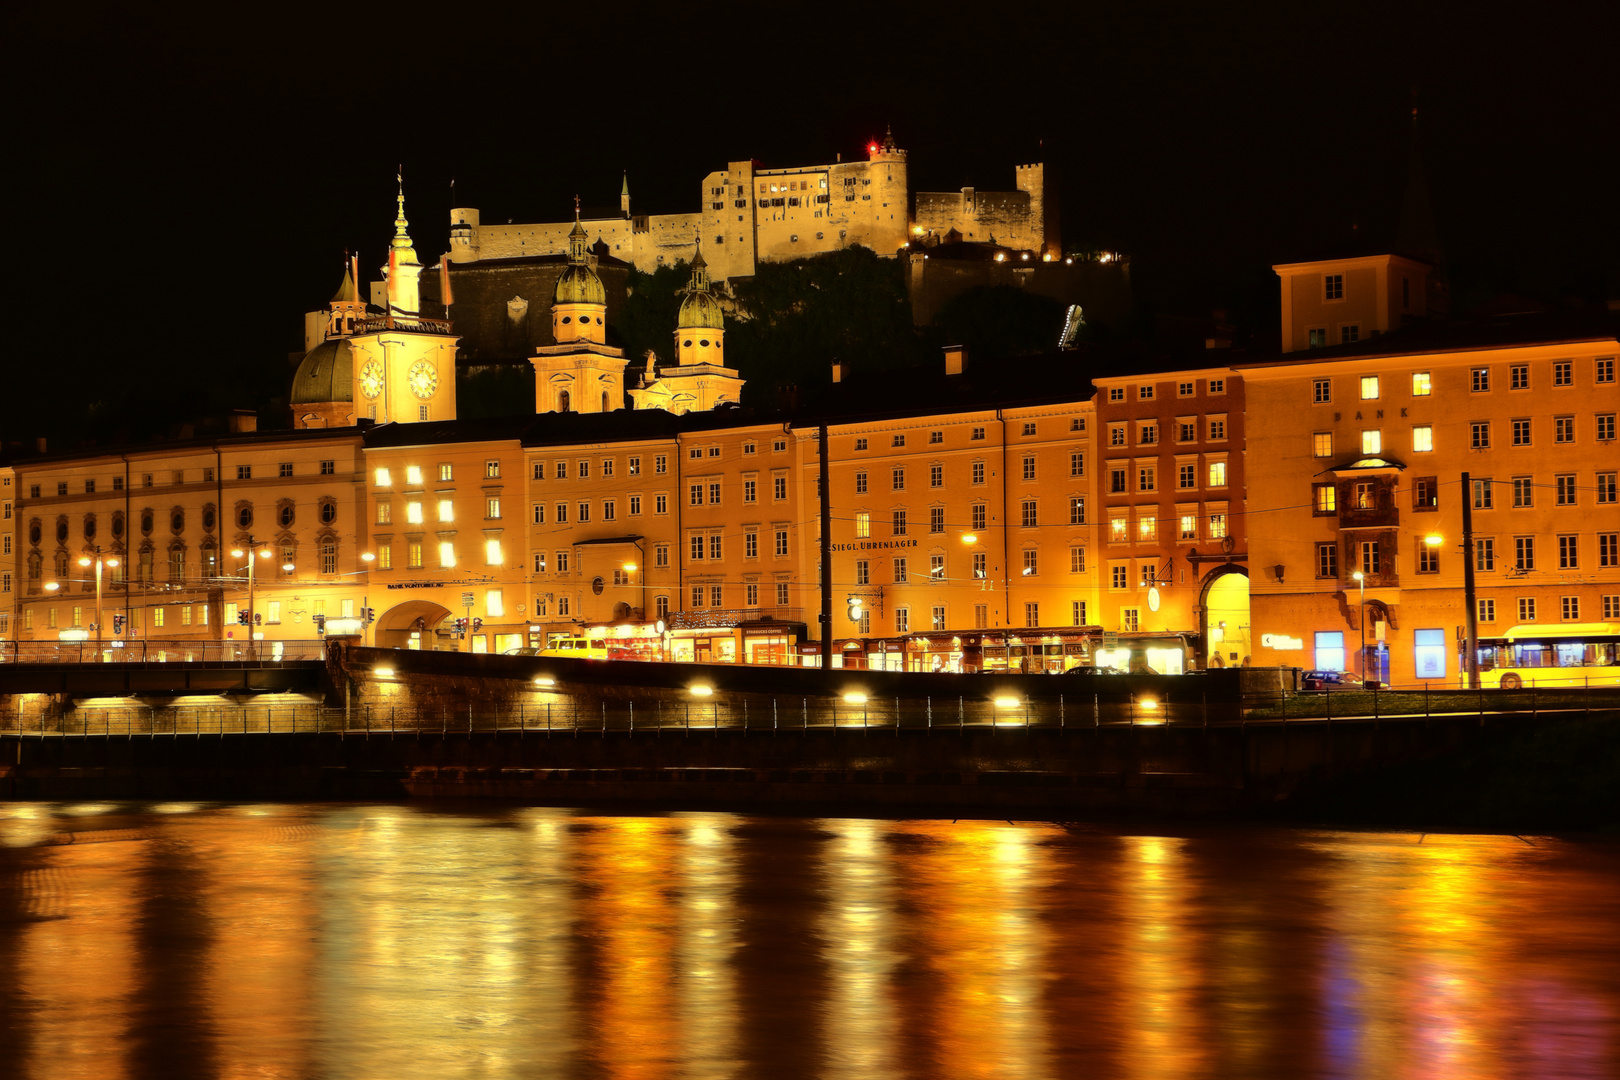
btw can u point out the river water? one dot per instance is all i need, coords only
(392, 941)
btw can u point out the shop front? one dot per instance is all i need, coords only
(1161, 653)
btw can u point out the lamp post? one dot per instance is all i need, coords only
(249, 552)
(1471, 616)
(98, 561)
(1361, 623)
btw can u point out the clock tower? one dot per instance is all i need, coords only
(404, 365)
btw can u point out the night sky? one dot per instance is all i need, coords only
(185, 188)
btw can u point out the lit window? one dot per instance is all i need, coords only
(413, 513)
(1369, 388)
(413, 475)
(1372, 442)
(383, 479)
(1422, 385)
(1322, 444)
(1147, 529)
(447, 510)
(492, 553)
(863, 523)
(1217, 474)
(1422, 438)
(447, 553)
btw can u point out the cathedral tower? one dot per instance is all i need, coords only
(404, 366)
(581, 372)
(699, 379)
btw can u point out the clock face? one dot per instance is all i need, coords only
(371, 379)
(424, 378)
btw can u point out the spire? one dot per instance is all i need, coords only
(1417, 235)
(700, 271)
(576, 238)
(625, 190)
(402, 239)
(888, 139)
(346, 291)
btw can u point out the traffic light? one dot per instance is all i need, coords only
(460, 627)
(118, 625)
(371, 615)
(478, 624)
(243, 617)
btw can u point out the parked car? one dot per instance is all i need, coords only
(1329, 680)
(1093, 669)
(525, 651)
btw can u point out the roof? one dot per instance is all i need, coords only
(1495, 326)
(326, 373)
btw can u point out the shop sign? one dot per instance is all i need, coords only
(874, 545)
(1281, 641)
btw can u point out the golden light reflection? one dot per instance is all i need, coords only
(1164, 1032)
(707, 937)
(978, 923)
(859, 925)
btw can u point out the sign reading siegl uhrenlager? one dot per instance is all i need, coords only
(874, 545)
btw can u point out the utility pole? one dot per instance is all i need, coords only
(1471, 616)
(825, 484)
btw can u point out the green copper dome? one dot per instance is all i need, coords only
(700, 308)
(579, 285)
(326, 373)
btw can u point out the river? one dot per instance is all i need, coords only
(405, 941)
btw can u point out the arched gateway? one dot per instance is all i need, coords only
(410, 625)
(1223, 616)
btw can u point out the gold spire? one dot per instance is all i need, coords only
(402, 239)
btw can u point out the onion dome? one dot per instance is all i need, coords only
(700, 309)
(578, 283)
(326, 373)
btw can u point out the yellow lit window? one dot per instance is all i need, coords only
(1217, 474)
(413, 513)
(1421, 385)
(494, 604)
(1147, 528)
(492, 552)
(385, 556)
(413, 475)
(1118, 530)
(1369, 388)
(385, 512)
(1189, 527)
(447, 554)
(1372, 442)
(1217, 526)
(1327, 499)
(185, 615)
(157, 616)
(447, 510)
(383, 479)
(863, 524)
(1422, 437)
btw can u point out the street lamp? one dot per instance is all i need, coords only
(99, 561)
(1361, 622)
(238, 553)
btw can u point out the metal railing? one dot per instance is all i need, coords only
(581, 713)
(149, 650)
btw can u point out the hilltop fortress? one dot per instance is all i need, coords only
(751, 215)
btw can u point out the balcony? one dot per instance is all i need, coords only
(1369, 517)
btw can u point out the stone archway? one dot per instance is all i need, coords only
(410, 625)
(1224, 598)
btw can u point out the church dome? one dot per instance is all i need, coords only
(579, 285)
(325, 374)
(700, 309)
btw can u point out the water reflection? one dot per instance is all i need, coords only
(186, 940)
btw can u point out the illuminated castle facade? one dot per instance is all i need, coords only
(751, 215)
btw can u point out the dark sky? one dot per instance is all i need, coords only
(186, 185)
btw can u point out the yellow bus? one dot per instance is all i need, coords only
(1577, 654)
(580, 648)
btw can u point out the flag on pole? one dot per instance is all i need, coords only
(444, 284)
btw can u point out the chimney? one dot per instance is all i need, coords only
(838, 371)
(956, 359)
(244, 420)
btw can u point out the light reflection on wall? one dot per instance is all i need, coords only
(974, 887)
(76, 963)
(1164, 1034)
(858, 928)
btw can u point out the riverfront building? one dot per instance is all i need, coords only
(1030, 515)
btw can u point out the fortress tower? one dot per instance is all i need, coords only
(581, 373)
